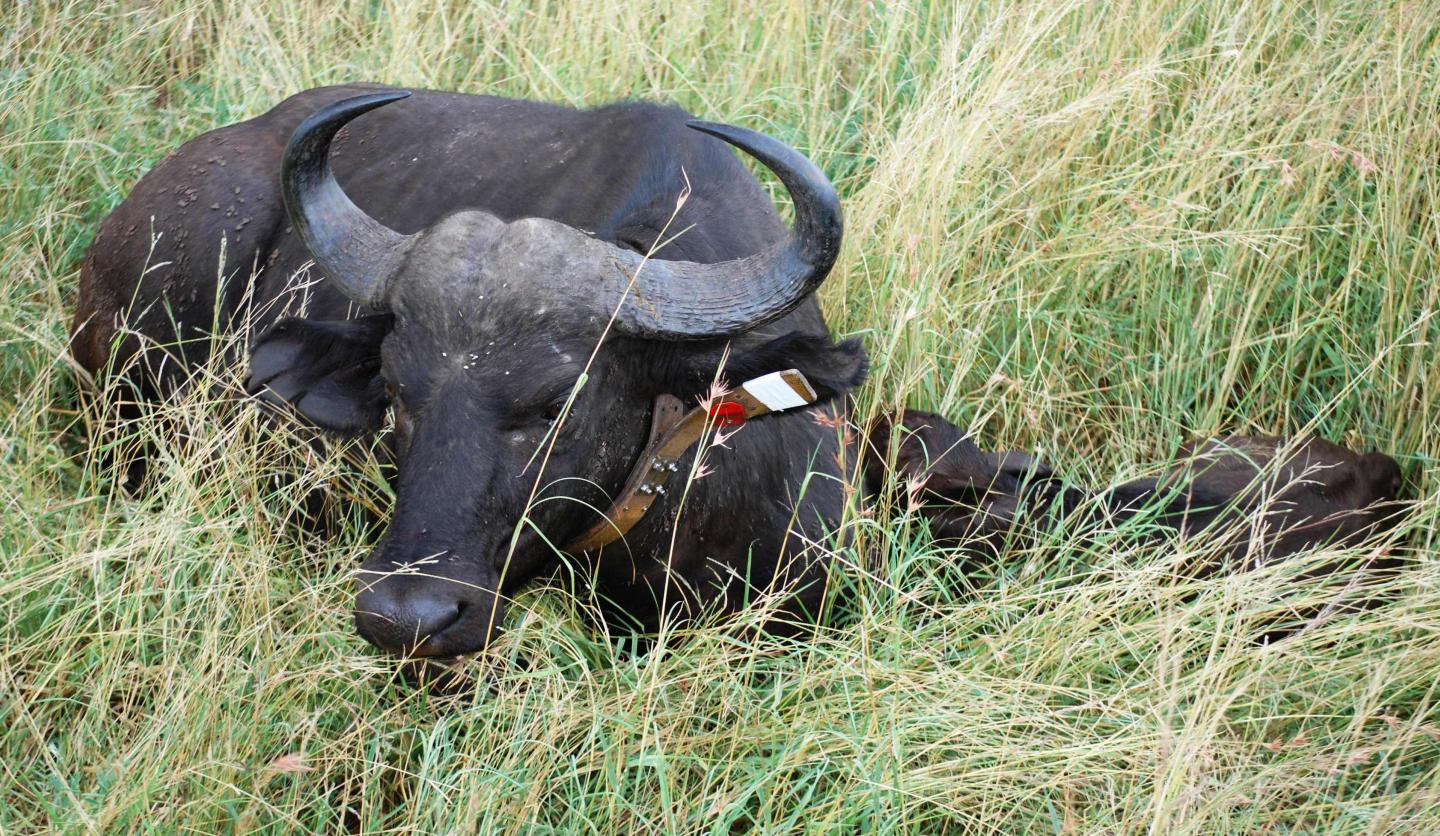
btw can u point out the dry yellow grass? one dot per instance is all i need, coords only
(1086, 229)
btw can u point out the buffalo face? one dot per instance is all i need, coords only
(498, 441)
(492, 450)
(1311, 493)
(1270, 497)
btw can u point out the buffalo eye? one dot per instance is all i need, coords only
(552, 412)
(398, 410)
(1336, 481)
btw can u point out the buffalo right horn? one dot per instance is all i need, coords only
(359, 253)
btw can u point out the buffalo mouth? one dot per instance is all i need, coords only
(453, 676)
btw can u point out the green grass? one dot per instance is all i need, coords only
(1087, 229)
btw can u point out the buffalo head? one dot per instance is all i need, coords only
(519, 359)
(1304, 494)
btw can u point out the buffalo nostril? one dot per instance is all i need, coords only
(404, 624)
(426, 615)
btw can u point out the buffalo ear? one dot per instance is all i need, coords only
(327, 371)
(932, 452)
(941, 460)
(832, 368)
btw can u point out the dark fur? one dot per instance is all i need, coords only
(1273, 496)
(327, 371)
(1267, 504)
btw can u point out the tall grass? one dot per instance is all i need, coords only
(1087, 229)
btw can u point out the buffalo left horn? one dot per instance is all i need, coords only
(682, 300)
(359, 253)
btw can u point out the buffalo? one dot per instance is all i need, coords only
(1274, 496)
(537, 303)
(1259, 498)
(470, 255)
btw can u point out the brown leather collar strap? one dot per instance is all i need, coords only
(672, 436)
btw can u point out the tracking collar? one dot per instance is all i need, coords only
(673, 432)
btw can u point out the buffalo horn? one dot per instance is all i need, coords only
(359, 253)
(680, 300)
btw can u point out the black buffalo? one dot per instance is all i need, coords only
(489, 244)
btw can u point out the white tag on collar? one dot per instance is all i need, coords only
(780, 390)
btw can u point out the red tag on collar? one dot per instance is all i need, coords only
(727, 413)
